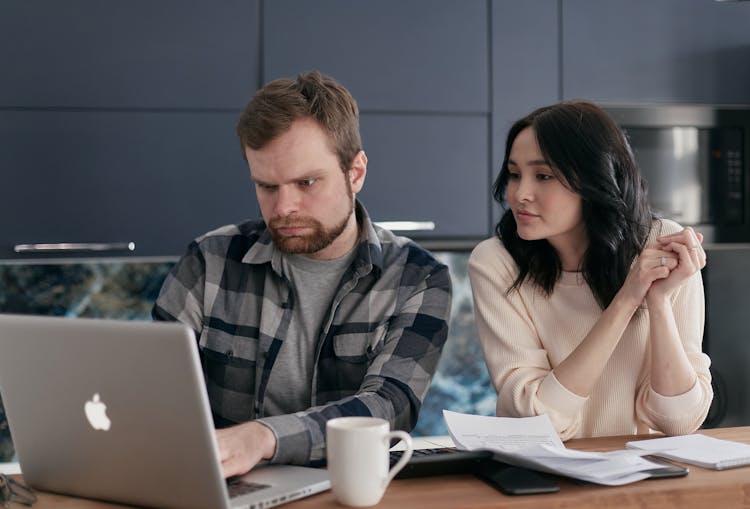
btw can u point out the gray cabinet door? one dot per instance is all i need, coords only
(665, 51)
(156, 179)
(525, 67)
(128, 54)
(428, 168)
(419, 71)
(406, 55)
(117, 119)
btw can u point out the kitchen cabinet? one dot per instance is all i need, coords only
(393, 55)
(525, 68)
(525, 63)
(158, 179)
(118, 121)
(419, 72)
(427, 168)
(134, 54)
(666, 51)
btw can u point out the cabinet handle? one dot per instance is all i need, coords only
(72, 246)
(407, 226)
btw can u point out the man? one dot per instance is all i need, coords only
(314, 312)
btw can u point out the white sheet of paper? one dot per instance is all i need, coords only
(504, 433)
(532, 442)
(702, 450)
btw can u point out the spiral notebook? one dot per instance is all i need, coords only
(696, 449)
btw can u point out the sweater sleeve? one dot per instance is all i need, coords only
(684, 413)
(517, 361)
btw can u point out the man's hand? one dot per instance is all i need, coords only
(241, 447)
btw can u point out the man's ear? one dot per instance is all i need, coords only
(358, 171)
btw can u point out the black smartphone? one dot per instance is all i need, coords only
(667, 469)
(513, 480)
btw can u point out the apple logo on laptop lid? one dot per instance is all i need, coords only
(96, 413)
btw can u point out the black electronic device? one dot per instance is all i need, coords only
(513, 480)
(439, 461)
(667, 469)
(508, 479)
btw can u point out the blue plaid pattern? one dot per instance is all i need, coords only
(376, 353)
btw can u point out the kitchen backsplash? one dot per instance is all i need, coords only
(127, 289)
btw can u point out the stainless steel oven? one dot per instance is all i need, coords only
(696, 159)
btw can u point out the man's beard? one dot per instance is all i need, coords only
(319, 239)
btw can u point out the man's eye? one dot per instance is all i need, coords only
(265, 187)
(307, 182)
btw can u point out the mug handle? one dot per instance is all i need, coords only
(405, 457)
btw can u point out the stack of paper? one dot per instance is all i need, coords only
(701, 450)
(532, 442)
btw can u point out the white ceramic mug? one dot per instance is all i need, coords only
(358, 458)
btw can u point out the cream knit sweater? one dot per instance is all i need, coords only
(525, 334)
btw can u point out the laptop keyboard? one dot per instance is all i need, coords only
(237, 487)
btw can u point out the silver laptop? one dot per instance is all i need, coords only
(118, 411)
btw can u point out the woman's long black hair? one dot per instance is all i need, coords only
(590, 154)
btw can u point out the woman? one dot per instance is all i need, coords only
(589, 308)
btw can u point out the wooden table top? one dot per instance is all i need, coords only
(701, 488)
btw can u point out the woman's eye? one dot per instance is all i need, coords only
(543, 176)
(513, 175)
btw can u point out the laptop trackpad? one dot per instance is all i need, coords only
(271, 485)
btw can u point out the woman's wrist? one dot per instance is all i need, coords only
(657, 303)
(624, 302)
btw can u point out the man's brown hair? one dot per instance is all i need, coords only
(280, 102)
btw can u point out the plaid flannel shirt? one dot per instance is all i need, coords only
(377, 350)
